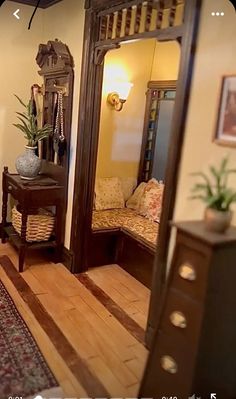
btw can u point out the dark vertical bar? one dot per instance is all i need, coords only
(138, 18)
(192, 13)
(119, 23)
(110, 26)
(103, 28)
(160, 10)
(172, 13)
(128, 21)
(148, 15)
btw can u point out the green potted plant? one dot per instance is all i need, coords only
(218, 197)
(28, 165)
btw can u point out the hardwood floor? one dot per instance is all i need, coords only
(90, 348)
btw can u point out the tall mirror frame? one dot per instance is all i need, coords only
(107, 24)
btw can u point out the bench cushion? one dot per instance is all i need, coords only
(127, 220)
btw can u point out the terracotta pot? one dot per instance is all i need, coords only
(217, 221)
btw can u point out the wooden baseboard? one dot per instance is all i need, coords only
(67, 258)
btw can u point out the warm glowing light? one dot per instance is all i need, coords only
(124, 89)
(114, 74)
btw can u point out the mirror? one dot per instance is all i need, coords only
(160, 100)
(134, 138)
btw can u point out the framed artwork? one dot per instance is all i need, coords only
(226, 123)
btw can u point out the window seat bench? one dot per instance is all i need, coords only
(124, 237)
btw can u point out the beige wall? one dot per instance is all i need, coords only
(216, 56)
(19, 47)
(120, 134)
(65, 21)
(18, 72)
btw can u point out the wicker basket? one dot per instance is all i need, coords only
(39, 227)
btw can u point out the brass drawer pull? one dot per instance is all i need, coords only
(187, 272)
(9, 188)
(169, 364)
(178, 319)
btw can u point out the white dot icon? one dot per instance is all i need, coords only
(217, 14)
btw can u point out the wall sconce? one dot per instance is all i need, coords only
(117, 100)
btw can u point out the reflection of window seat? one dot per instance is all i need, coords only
(129, 221)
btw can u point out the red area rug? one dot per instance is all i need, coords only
(23, 370)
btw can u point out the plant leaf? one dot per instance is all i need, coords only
(207, 180)
(19, 99)
(19, 127)
(23, 115)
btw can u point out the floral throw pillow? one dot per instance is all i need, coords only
(151, 201)
(108, 193)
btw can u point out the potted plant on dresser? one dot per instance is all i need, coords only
(28, 165)
(214, 191)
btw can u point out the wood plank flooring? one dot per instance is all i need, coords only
(95, 338)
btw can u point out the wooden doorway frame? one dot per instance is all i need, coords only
(94, 50)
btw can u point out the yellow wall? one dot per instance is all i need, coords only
(18, 72)
(120, 134)
(216, 56)
(166, 61)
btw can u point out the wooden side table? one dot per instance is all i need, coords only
(194, 348)
(39, 193)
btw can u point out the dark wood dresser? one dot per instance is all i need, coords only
(194, 349)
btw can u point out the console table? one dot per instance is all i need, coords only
(39, 193)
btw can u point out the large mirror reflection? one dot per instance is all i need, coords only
(138, 99)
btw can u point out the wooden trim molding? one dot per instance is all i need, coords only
(42, 4)
(88, 126)
(67, 258)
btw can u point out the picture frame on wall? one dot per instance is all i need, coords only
(226, 123)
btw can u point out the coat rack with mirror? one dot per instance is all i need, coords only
(56, 67)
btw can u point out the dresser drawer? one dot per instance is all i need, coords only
(177, 344)
(175, 365)
(190, 272)
(181, 319)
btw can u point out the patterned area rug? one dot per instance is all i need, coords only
(23, 370)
